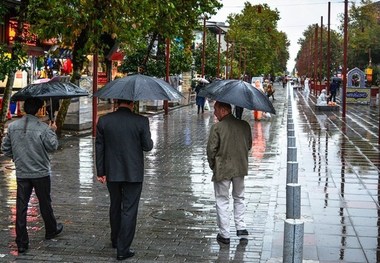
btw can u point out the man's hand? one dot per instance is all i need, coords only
(52, 125)
(102, 179)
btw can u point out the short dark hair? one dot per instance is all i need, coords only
(124, 101)
(33, 105)
(224, 105)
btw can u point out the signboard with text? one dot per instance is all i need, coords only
(102, 78)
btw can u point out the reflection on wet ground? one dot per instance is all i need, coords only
(341, 180)
(338, 172)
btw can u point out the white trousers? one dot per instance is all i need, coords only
(222, 198)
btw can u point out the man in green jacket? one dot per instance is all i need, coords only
(227, 152)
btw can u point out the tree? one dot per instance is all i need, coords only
(364, 34)
(211, 58)
(306, 55)
(255, 29)
(80, 25)
(155, 63)
(11, 60)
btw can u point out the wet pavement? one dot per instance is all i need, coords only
(338, 172)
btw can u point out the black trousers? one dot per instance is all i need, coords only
(42, 188)
(125, 198)
(239, 112)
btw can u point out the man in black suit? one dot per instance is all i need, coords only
(121, 139)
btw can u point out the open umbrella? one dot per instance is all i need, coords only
(201, 80)
(138, 87)
(50, 90)
(238, 93)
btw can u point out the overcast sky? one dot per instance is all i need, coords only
(295, 16)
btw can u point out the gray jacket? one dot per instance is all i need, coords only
(227, 149)
(28, 142)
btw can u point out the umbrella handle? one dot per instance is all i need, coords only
(51, 113)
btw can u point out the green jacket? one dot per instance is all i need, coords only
(227, 149)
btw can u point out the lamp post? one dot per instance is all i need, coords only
(166, 104)
(344, 70)
(204, 47)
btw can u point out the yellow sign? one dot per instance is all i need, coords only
(368, 71)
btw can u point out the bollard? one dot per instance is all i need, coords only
(293, 241)
(291, 141)
(293, 201)
(292, 154)
(291, 172)
(291, 133)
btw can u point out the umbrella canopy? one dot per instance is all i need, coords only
(201, 80)
(50, 90)
(238, 93)
(138, 87)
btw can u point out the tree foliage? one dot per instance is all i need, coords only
(11, 59)
(255, 30)
(308, 52)
(363, 39)
(364, 34)
(211, 56)
(81, 25)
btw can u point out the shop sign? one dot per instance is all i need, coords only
(29, 38)
(102, 78)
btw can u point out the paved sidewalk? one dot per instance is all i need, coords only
(339, 171)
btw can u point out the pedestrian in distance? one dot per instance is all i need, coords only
(269, 89)
(28, 142)
(122, 137)
(228, 145)
(307, 88)
(239, 112)
(200, 101)
(284, 81)
(334, 86)
(323, 98)
(257, 115)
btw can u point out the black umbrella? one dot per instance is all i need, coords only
(138, 87)
(238, 93)
(50, 90)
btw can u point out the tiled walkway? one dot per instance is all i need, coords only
(339, 177)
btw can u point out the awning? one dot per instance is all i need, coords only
(118, 55)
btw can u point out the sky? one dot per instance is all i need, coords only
(295, 17)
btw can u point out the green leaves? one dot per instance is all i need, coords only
(255, 29)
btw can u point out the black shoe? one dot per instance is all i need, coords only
(22, 248)
(56, 233)
(243, 232)
(129, 254)
(222, 239)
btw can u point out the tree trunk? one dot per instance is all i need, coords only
(5, 105)
(78, 61)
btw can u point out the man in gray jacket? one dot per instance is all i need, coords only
(227, 152)
(28, 142)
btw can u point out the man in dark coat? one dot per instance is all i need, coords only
(121, 139)
(334, 86)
